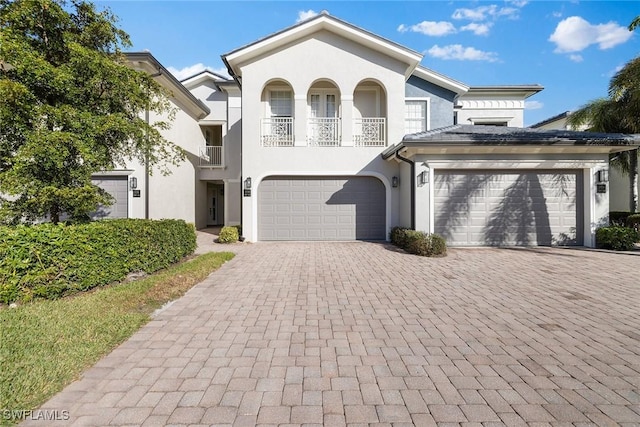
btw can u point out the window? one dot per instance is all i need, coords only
(415, 116)
(322, 105)
(280, 103)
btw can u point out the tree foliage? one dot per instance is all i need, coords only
(619, 112)
(70, 107)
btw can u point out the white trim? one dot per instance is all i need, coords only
(515, 164)
(116, 172)
(358, 173)
(212, 122)
(440, 80)
(481, 120)
(324, 22)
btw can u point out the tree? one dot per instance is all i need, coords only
(70, 107)
(618, 112)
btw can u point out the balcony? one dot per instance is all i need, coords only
(324, 132)
(211, 156)
(277, 132)
(369, 132)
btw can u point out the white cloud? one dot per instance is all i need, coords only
(614, 71)
(556, 14)
(519, 3)
(461, 53)
(576, 57)
(482, 13)
(575, 34)
(303, 15)
(194, 69)
(478, 29)
(533, 105)
(430, 28)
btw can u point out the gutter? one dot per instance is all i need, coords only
(230, 70)
(413, 187)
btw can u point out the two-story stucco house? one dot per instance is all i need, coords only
(329, 132)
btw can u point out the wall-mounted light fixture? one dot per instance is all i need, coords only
(603, 176)
(133, 182)
(395, 181)
(247, 183)
(423, 178)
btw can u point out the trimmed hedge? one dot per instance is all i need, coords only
(618, 218)
(228, 235)
(616, 238)
(633, 221)
(418, 242)
(50, 261)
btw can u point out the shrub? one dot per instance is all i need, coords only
(228, 235)
(618, 218)
(633, 221)
(418, 242)
(616, 238)
(239, 228)
(398, 236)
(49, 261)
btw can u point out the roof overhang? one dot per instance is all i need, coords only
(234, 59)
(516, 91)
(201, 77)
(146, 62)
(440, 80)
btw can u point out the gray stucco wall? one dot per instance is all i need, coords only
(441, 100)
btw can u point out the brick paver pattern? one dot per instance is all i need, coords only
(359, 334)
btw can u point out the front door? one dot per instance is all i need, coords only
(215, 205)
(213, 210)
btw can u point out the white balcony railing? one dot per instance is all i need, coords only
(369, 132)
(211, 156)
(324, 132)
(277, 132)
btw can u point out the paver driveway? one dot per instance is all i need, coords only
(357, 333)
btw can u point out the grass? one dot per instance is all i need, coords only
(45, 345)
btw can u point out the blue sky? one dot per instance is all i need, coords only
(571, 48)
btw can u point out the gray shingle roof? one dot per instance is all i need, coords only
(479, 135)
(509, 135)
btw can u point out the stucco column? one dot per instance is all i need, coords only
(347, 121)
(300, 120)
(423, 208)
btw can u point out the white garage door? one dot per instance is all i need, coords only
(117, 186)
(508, 207)
(321, 208)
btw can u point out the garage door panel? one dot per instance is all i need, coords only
(118, 188)
(508, 207)
(325, 208)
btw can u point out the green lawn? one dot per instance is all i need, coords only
(45, 345)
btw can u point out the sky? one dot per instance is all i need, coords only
(571, 48)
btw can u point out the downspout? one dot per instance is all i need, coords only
(413, 188)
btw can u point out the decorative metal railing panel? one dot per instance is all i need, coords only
(211, 156)
(369, 132)
(277, 132)
(324, 132)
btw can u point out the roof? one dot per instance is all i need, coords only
(440, 80)
(551, 119)
(148, 63)
(202, 76)
(500, 136)
(312, 25)
(525, 90)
